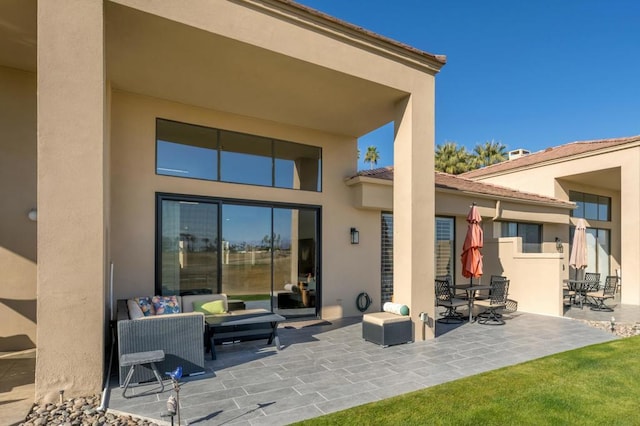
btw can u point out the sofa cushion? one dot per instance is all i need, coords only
(165, 305)
(209, 307)
(146, 305)
(134, 310)
(187, 300)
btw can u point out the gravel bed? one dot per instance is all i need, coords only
(78, 411)
(622, 329)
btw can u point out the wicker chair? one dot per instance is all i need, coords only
(180, 336)
(498, 300)
(444, 298)
(608, 292)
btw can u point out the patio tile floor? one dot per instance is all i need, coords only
(327, 368)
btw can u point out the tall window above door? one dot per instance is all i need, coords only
(198, 152)
(591, 206)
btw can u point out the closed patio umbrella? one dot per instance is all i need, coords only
(578, 257)
(471, 256)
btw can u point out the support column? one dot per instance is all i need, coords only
(71, 198)
(414, 207)
(630, 227)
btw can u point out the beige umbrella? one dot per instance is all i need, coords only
(578, 258)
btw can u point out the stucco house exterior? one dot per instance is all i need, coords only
(148, 135)
(151, 148)
(520, 233)
(602, 178)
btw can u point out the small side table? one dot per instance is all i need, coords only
(140, 358)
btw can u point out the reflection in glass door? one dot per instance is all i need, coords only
(188, 250)
(246, 251)
(295, 283)
(268, 253)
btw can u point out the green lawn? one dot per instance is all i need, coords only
(597, 385)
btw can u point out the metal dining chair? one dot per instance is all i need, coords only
(592, 284)
(608, 292)
(444, 298)
(497, 300)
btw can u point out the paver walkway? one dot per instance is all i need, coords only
(17, 389)
(323, 369)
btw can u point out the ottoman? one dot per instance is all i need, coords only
(386, 329)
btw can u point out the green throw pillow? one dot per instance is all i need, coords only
(209, 307)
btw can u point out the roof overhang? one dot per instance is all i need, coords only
(268, 59)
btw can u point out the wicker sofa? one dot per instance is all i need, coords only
(180, 336)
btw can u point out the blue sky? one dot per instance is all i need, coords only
(530, 74)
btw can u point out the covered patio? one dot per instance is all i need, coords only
(327, 368)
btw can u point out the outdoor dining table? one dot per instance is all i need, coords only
(471, 294)
(580, 287)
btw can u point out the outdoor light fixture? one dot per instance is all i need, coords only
(559, 244)
(33, 215)
(355, 236)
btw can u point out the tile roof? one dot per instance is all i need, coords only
(441, 59)
(457, 183)
(549, 154)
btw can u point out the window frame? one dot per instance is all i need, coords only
(518, 225)
(275, 146)
(579, 198)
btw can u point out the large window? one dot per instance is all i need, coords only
(445, 243)
(250, 251)
(591, 206)
(531, 234)
(198, 152)
(386, 258)
(444, 251)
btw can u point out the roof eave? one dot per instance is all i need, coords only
(553, 161)
(348, 32)
(550, 203)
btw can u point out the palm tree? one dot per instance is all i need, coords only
(491, 152)
(372, 156)
(453, 159)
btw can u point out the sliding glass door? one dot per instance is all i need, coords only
(246, 250)
(188, 254)
(263, 254)
(598, 250)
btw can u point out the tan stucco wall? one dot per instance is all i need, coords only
(535, 278)
(133, 205)
(414, 207)
(18, 177)
(502, 256)
(613, 174)
(71, 203)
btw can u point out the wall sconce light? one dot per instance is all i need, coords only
(355, 236)
(559, 244)
(33, 215)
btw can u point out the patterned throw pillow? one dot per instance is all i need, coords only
(164, 305)
(145, 305)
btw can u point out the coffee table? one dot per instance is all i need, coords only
(233, 327)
